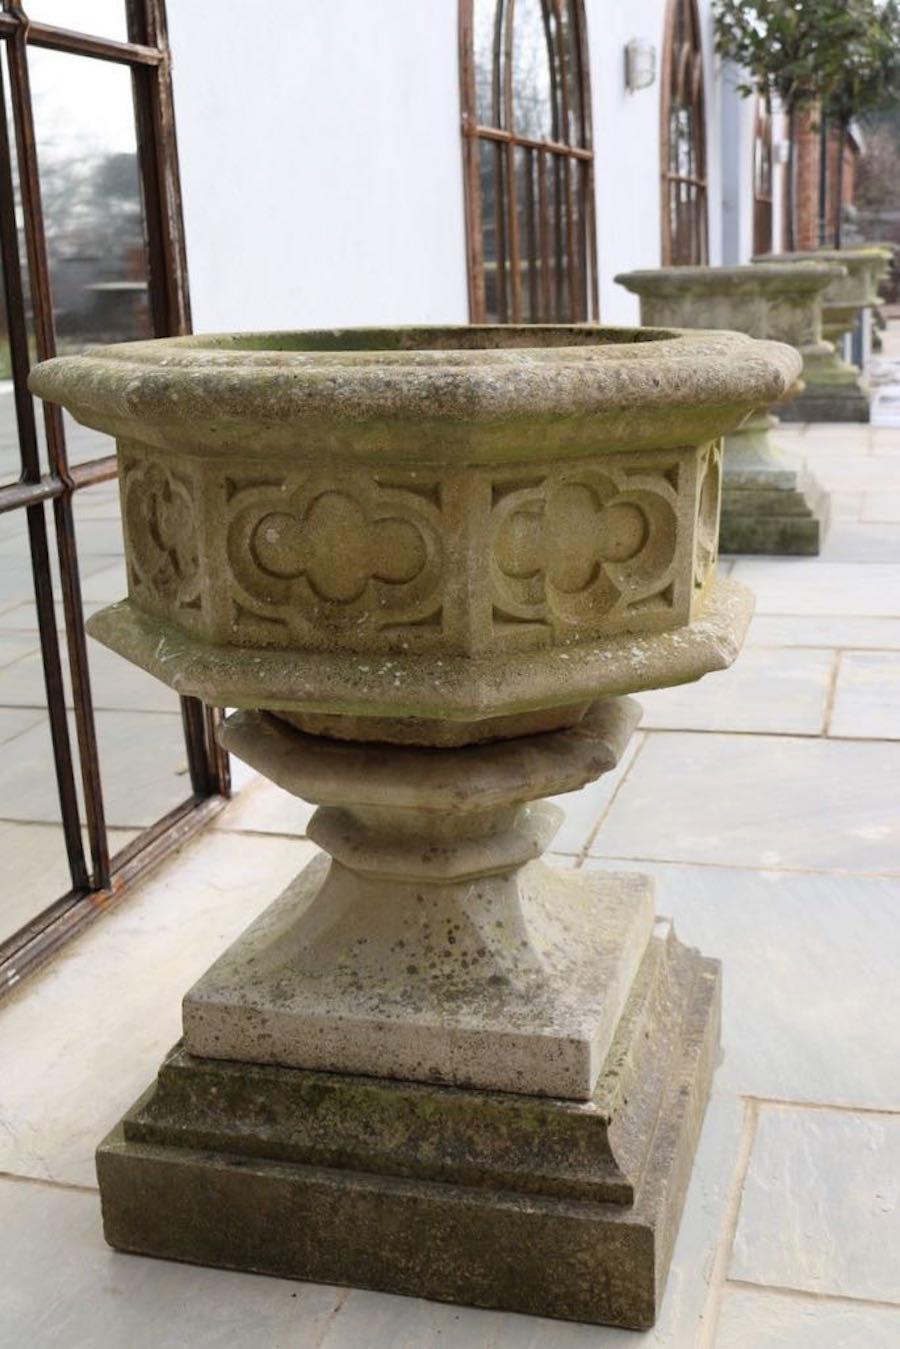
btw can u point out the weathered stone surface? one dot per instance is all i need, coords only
(488, 1199)
(457, 539)
(429, 950)
(417, 523)
(768, 505)
(835, 389)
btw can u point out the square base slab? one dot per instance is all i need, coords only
(360, 978)
(491, 1199)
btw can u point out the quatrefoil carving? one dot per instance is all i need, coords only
(335, 556)
(580, 548)
(160, 527)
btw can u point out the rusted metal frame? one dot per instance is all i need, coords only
(587, 136)
(34, 943)
(471, 166)
(512, 199)
(158, 160)
(69, 40)
(699, 105)
(492, 133)
(665, 112)
(170, 306)
(500, 212)
(13, 496)
(45, 340)
(574, 267)
(29, 484)
(683, 74)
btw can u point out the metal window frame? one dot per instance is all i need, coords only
(576, 174)
(100, 880)
(683, 81)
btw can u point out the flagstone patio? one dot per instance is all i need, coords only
(766, 806)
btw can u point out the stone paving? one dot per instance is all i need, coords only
(765, 804)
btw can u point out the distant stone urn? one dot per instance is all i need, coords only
(425, 565)
(769, 503)
(836, 390)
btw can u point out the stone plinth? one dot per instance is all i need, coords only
(836, 390)
(769, 503)
(426, 566)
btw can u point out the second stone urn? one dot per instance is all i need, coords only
(835, 389)
(770, 503)
(425, 566)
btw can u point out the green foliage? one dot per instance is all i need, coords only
(841, 54)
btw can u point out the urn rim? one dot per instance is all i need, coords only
(492, 392)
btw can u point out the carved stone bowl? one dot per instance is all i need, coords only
(433, 534)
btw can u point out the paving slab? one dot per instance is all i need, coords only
(853, 541)
(811, 1001)
(14, 721)
(762, 1319)
(867, 696)
(34, 870)
(880, 507)
(820, 1210)
(810, 587)
(85, 1036)
(13, 646)
(584, 809)
(259, 807)
(828, 630)
(116, 684)
(63, 1286)
(143, 767)
(772, 689)
(759, 801)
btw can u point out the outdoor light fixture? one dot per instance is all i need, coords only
(640, 64)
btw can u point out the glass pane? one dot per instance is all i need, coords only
(493, 209)
(101, 18)
(487, 20)
(33, 864)
(93, 216)
(532, 89)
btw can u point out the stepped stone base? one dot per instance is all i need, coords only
(533, 1204)
(770, 505)
(844, 403)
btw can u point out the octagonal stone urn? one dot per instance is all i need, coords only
(769, 504)
(835, 388)
(425, 565)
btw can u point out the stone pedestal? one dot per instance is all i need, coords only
(835, 389)
(770, 503)
(426, 566)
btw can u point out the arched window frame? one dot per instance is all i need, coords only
(683, 77)
(579, 299)
(763, 176)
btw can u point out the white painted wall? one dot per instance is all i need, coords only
(737, 144)
(626, 150)
(322, 167)
(627, 147)
(320, 161)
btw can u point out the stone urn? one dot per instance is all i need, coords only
(835, 388)
(425, 566)
(770, 504)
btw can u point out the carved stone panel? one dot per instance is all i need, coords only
(318, 559)
(159, 511)
(589, 548)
